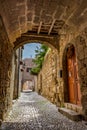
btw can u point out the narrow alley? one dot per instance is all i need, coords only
(33, 112)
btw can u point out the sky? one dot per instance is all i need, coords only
(29, 50)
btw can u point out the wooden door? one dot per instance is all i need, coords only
(73, 79)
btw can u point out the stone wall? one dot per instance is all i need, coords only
(5, 71)
(81, 45)
(48, 77)
(17, 73)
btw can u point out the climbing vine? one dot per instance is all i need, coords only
(39, 58)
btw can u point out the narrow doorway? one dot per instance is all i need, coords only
(73, 79)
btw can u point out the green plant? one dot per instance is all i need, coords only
(39, 58)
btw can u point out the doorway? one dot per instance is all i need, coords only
(73, 79)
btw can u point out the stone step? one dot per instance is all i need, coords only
(70, 114)
(73, 107)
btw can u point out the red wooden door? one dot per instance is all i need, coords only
(73, 79)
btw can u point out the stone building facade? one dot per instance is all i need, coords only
(28, 80)
(62, 25)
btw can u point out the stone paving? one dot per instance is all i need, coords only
(33, 112)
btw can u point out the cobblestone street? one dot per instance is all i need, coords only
(33, 112)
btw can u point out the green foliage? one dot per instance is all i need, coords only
(35, 70)
(39, 58)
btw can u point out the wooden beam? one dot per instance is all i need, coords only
(36, 35)
(51, 27)
(39, 28)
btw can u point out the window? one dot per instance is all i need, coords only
(28, 70)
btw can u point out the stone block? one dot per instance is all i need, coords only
(70, 114)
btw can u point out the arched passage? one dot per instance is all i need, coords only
(40, 40)
(40, 18)
(28, 85)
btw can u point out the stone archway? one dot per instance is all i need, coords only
(51, 41)
(28, 85)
